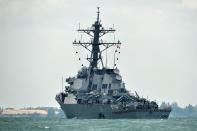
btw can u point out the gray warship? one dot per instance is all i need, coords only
(99, 92)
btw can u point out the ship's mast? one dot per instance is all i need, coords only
(96, 54)
(96, 32)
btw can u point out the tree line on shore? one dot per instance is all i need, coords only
(177, 111)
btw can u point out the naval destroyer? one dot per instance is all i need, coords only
(99, 92)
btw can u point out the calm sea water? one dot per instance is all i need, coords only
(63, 124)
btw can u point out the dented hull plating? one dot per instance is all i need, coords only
(104, 111)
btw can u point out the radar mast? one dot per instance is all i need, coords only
(96, 32)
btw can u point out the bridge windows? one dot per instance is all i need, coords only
(94, 87)
(104, 86)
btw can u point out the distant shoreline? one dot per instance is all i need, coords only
(177, 112)
(31, 112)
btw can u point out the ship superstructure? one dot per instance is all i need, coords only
(100, 92)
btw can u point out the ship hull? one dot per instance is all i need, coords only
(100, 111)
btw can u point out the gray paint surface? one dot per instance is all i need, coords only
(80, 111)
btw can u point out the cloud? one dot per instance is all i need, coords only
(35, 37)
(191, 4)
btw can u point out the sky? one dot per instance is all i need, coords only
(158, 56)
